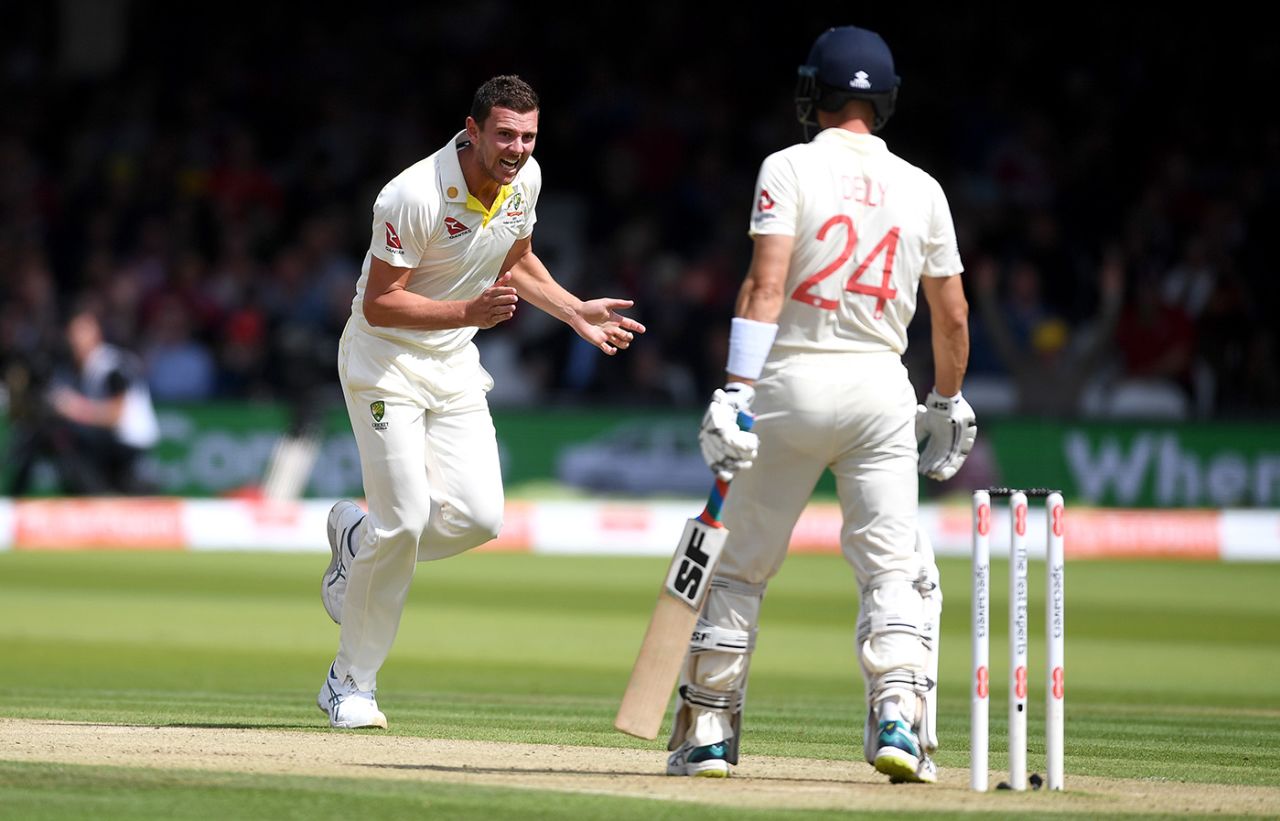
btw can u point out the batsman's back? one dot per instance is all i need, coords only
(867, 225)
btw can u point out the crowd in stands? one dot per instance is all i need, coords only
(208, 182)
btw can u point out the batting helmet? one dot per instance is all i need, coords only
(846, 63)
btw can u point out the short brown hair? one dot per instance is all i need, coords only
(503, 91)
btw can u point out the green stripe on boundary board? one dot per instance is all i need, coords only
(215, 449)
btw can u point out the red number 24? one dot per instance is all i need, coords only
(805, 292)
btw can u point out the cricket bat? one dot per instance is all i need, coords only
(674, 617)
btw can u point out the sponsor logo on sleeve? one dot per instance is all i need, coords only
(765, 203)
(393, 239)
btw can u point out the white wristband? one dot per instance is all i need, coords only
(749, 344)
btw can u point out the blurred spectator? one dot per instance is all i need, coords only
(1049, 363)
(1155, 339)
(241, 355)
(1240, 358)
(99, 424)
(1190, 283)
(29, 343)
(178, 368)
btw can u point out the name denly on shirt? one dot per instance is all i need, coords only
(864, 190)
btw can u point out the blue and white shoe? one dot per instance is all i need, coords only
(344, 518)
(707, 761)
(348, 707)
(899, 756)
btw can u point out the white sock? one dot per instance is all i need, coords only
(889, 710)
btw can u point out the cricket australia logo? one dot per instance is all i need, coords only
(513, 210)
(378, 410)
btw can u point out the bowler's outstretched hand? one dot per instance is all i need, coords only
(599, 322)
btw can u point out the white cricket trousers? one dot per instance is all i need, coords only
(854, 413)
(429, 455)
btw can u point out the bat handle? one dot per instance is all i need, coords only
(720, 490)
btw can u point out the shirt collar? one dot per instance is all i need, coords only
(453, 184)
(865, 143)
(474, 204)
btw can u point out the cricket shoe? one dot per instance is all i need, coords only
(898, 755)
(344, 518)
(700, 762)
(349, 707)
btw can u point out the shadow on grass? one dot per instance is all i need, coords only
(439, 768)
(213, 725)
(196, 725)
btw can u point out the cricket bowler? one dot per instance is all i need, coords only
(451, 254)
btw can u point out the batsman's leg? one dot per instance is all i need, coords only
(713, 685)
(877, 483)
(902, 693)
(760, 512)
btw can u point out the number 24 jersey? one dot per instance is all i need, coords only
(867, 225)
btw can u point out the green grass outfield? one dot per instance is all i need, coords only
(1173, 673)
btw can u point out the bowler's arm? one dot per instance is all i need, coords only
(389, 304)
(535, 284)
(97, 413)
(596, 320)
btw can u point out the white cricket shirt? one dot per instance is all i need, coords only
(867, 226)
(425, 219)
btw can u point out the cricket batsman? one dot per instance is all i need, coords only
(844, 233)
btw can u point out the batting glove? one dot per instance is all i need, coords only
(726, 448)
(947, 427)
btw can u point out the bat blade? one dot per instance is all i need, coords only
(666, 640)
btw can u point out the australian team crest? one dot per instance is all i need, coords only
(513, 209)
(378, 409)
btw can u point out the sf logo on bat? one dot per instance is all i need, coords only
(694, 562)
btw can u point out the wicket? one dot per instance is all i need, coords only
(1018, 636)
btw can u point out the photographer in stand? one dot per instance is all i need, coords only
(94, 426)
